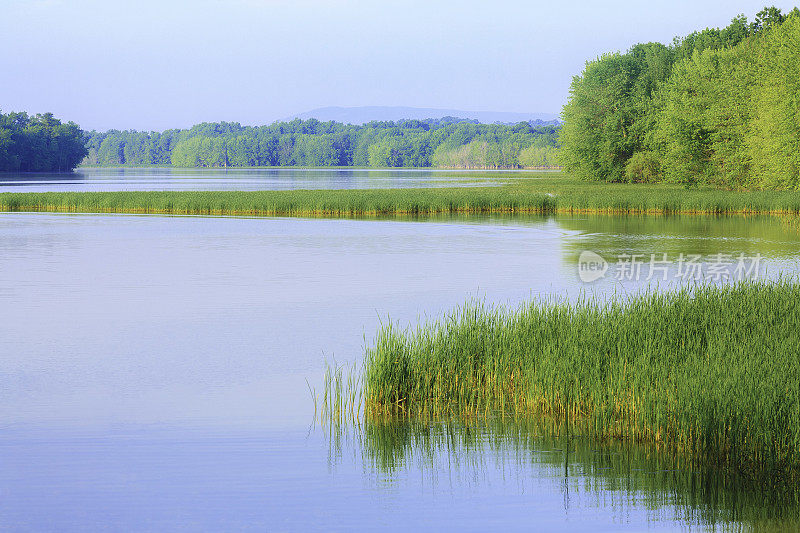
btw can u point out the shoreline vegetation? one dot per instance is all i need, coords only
(39, 143)
(432, 143)
(539, 193)
(718, 107)
(708, 374)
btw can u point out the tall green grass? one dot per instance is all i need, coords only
(710, 372)
(546, 193)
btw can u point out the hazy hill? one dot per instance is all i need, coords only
(362, 115)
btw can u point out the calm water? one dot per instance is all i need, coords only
(175, 179)
(154, 374)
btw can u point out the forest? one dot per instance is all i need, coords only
(719, 108)
(447, 142)
(39, 143)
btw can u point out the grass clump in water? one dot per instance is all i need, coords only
(711, 372)
(545, 193)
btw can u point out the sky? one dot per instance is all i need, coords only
(159, 64)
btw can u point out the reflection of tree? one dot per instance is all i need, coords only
(612, 236)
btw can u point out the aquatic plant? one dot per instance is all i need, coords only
(709, 372)
(525, 193)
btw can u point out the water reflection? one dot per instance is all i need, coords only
(704, 235)
(672, 251)
(543, 455)
(177, 179)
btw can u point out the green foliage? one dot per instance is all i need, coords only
(539, 157)
(399, 151)
(311, 143)
(481, 153)
(774, 135)
(40, 143)
(701, 117)
(717, 108)
(603, 124)
(711, 372)
(643, 167)
(201, 152)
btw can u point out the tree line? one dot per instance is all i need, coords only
(446, 142)
(719, 107)
(39, 143)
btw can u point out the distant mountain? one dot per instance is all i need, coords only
(362, 115)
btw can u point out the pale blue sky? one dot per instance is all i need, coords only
(156, 64)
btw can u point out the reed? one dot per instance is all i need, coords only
(544, 193)
(710, 372)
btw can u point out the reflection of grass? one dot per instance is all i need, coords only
(792, 222)
(548, 193)
(544, 448)
(712, 373)
(707, 236)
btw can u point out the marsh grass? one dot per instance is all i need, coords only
(544, 194)
(711, 373)
(342, 396)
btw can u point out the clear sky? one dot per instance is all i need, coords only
(157, 64)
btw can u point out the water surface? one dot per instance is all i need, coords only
(239, 179)
(155, 373)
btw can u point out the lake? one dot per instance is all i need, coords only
(243, 179)
(156, 373)
(157, 369)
